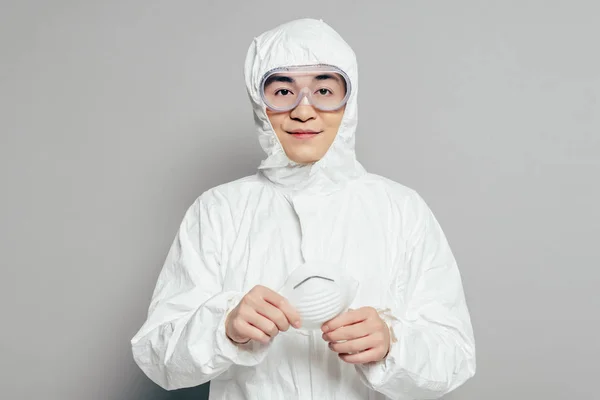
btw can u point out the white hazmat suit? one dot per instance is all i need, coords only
(256, 230)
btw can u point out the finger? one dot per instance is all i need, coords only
(274, 314)
(265, 325)
(347, 318)
(245, 330)
(363, 357)
(281, 303)
(349, 332)
(257, 335)
(353, 346)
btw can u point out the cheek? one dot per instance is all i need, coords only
(276, 120)
(272, 118)
(334, 121)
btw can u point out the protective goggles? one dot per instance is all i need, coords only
(325, 87)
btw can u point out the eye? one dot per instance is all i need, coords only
(283, 92)
(324, 92)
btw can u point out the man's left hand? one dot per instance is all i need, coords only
(366, 336)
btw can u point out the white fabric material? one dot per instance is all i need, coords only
(256, 230)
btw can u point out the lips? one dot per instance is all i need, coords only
(303, 134)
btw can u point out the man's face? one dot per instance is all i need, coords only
(305, 132)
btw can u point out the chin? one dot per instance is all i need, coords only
(304, 158)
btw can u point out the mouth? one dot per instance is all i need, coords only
(303, 133)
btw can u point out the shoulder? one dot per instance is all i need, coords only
(218, 200)
(396, 192)
(229, 192)
(407, 204)
(213, 208)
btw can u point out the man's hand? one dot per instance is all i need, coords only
(366, 336)
(260, 315)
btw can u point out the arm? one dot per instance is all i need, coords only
(433, 351)
(183, 342)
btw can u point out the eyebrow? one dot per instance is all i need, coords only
(326, 76)
(278, 78)
(287, 79)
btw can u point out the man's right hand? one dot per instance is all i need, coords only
(260, 316)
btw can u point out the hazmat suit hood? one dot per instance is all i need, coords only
(298, 43)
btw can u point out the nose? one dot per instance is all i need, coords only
(304, 111)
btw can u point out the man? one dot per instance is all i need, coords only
(218, 313)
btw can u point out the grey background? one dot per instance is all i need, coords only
(115, 116)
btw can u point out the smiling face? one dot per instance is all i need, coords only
(307, 130)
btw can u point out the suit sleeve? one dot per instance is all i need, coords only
(433, 351)
(183, 343)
